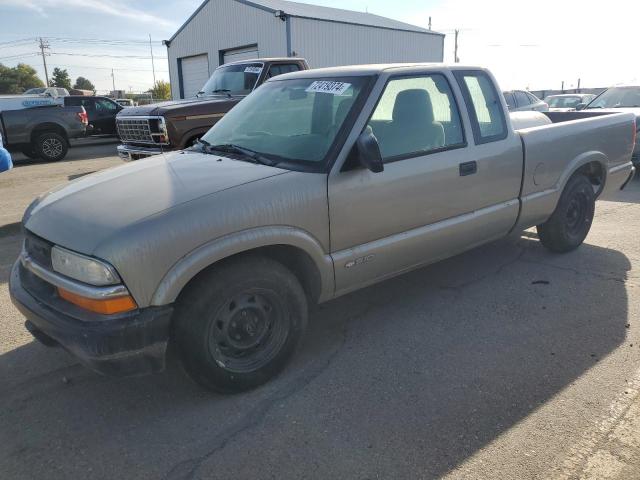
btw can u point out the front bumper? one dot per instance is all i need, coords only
(129, 152)
(133, 343)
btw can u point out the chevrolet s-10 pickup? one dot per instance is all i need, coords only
(318, 183)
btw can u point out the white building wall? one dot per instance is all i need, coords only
(328, 44)
(225, 24)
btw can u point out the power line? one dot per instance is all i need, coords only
(139, 57)
(102, 40)
(122, 68)
(21, 55)
(22, 40)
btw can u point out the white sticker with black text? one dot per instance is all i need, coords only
(324, 86)
(251, 69)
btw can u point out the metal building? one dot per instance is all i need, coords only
(221, 31)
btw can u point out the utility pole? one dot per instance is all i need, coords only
(113, 79)
(429, 23)
(562, 86)
(153, 68)
(44, 45)
(455, 51)
(578, 85)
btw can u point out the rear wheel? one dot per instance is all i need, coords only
(571, 221)
(239, 324)
(51, 146)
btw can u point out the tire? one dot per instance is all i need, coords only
(571, 221)
(29, 153)
(51, 146)
(238, 325)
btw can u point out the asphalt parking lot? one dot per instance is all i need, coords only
(505, 362)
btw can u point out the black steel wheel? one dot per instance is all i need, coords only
(238, 323)
(249, 330)
(571, 221)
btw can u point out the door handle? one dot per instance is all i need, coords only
(468, 168)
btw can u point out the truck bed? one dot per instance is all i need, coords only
(551, 152)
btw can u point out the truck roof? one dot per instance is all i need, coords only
(265, 60)
(371, 69)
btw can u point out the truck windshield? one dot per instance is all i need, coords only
(237, 79)
(295, 120)
(618, 97)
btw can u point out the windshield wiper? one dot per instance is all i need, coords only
(255, 157)
(199, 93)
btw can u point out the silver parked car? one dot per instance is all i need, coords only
(622, 98)
(521, 101)
(318, 183)
(568, 101)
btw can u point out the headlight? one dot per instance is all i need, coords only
(81, 268)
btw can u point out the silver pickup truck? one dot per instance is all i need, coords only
(317, 184)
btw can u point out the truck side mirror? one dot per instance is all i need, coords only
(369, 151)
(580, 106)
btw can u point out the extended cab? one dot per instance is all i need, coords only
(42, 132)
(318, 184)
(174, 125)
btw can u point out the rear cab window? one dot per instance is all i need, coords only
(483, 104)
(280, 68)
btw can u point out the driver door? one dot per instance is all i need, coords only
(437, 195)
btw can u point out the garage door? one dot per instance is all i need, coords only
(195, 73)
(244, 53)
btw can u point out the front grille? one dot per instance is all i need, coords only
(134, 130)
(38, 249)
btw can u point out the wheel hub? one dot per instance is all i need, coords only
(247, 327)
(52, 147)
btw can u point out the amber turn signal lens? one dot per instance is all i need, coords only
(107, 306)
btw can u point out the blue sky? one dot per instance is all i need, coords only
(536, 47)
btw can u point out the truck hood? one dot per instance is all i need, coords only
(88, 211)
(195, 106)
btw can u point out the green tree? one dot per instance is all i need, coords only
(60, 78)
(15, 80)
(83, 84)
(161, 90)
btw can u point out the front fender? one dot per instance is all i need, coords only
(206, 255)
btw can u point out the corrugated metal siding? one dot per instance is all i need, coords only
(328, 44)
(225, 24)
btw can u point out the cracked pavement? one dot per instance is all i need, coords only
(505, 362)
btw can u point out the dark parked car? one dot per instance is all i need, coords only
(102, 113)
(174, 125)
(42, 132)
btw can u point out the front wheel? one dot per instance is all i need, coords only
(238, 324)
(571, 221)
(51, 146)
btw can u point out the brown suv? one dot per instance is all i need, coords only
(173, 125)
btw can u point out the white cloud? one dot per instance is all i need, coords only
(112, 8)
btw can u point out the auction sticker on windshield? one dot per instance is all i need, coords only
(253, 70)
(323, 86)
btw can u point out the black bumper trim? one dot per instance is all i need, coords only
(131, 344)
